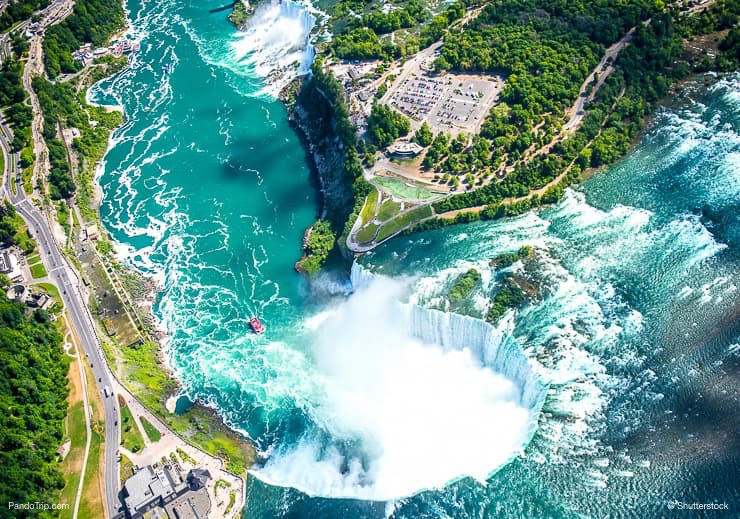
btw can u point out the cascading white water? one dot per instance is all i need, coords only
(412, 399)
(275, 44)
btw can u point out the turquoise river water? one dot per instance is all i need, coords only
(612, 394)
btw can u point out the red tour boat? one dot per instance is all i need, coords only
(256, 325)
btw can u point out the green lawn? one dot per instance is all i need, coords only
(32, 260)
(50, 289)
(126, 468)
(232, 500)
(38, 271)
(199, 428)
(146, 375)
(388, 210)
(151, 385)
(130, 435)
(368, 210)
(89, 507)
(366, 234)
(74, 429)
(27, 175)
(151, 431)
(402, 221)
(400, 189)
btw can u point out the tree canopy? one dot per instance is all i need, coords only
(33, 392)
(385, 125)
(92, 21)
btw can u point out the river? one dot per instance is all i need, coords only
(615, 389)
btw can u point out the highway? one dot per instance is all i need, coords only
(62, 274)
(68, 282)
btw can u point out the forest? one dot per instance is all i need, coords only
(92, 21)
(545, 50)
(463, 286)
(33, 392)
(321, 97)
(385, 125)
(13, 103)
(360, 37)
(62, 106)
(13, 229)
(644, 72)
(19, 10)
(319, 244)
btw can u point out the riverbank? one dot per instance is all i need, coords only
(123, 299)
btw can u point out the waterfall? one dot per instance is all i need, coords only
(403, 388)
(275, 44)
(492, 346)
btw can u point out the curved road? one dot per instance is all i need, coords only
(62, 274)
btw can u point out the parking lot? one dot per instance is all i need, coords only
(449, 103)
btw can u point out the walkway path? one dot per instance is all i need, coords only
(86, 406)
(171, 442)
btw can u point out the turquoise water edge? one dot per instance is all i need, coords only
(615, 390)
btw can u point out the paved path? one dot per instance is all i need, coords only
(86, 405)
(603, 70)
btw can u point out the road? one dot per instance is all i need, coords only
(59, 270)
(603, 70)
(62, 274)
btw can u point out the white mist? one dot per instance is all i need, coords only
(417, 409)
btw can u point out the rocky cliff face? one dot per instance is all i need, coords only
(310, 112)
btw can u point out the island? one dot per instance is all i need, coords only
(484, 111)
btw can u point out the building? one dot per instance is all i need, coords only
(92, 232)
(17, 293)
(42, 301)
(404, 149)
(163, 492)
(9, 266)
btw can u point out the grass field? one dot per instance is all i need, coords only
(130, 435)
(368, 210)
(199, 427)
(402, 221)
(388, 210)
(151, 384)
(50, 289)
(38, 271)
(126, 468)
(91, 505)
(27, 177)
(366, 234)
(151, 431)
(74, 430)
(33, 260)
(400, 189)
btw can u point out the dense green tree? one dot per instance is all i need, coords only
(33, 391)
(423, 136)
(91, 21)
(385, 125)
(463, 286)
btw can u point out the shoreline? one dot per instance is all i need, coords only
(235, 449)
